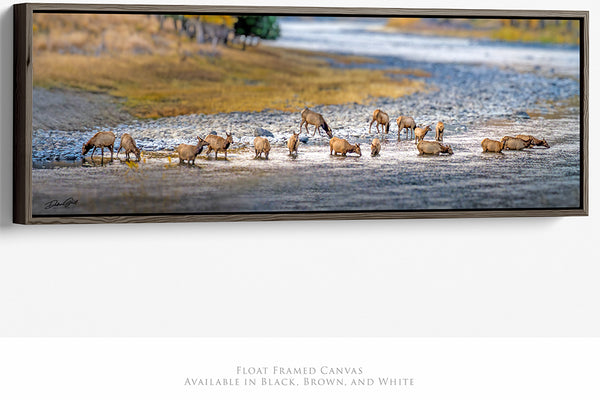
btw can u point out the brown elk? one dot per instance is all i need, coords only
(337, 145)
(292, 143)
(261, 145)
(513, 143)
(128, 144)
(100, 140)
(375, 147)
(218, 143)
(316, 119)
(435, 148)
(188, 152)
(439, 131)
(492, 146)
(382, 119)
(534, 141)
(420, 133)
(407, 123)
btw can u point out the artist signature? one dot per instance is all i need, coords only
(67, 203)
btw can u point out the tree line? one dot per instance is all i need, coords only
(216, 29)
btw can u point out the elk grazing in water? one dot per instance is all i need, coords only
(128, 144)
(261, 145)
(316, 119)
(218, 143)
(337, 145)
(420, 133)
(292, 143)
(439, 131)
(435, 148)
(492, 146)
(100, 140)
(375, 147)
(382, 119)
(188, 152)
(534, 141)
(513, 143)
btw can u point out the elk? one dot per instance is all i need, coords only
(261, 145)
(218, 143)
(439, 131)
(406, 123)
(420, 133)
(382, 119)
(513, 143)
(435, 148)
(128, 144)
(492, 146)
(337, 145)
(292, 143)
(316, 119)
(534, 141)
(375, 147)
(100, 140)
(188, 152)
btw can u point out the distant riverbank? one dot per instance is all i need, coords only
(507, 30)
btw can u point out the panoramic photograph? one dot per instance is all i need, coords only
(137, 114)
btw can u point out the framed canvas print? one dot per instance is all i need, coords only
(132, 113)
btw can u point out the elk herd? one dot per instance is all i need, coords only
(188, 152)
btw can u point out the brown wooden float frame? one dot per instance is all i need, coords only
(22, 119)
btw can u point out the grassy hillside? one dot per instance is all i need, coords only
(162, 73)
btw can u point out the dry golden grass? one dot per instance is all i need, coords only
(496, 29)
(159, 73)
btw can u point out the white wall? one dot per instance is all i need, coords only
(357, 278)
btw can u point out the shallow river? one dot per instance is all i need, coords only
(512, 91)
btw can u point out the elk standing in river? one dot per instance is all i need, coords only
(128, 144)
(101, 140)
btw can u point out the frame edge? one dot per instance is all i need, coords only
(22, 113)
(585, 99)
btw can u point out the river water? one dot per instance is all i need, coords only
(367, 37)
(478, 88)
